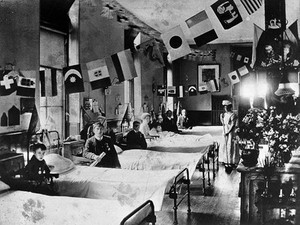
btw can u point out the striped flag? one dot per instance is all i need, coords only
(121, 65)
(201, 29)
(48, 82)
(175, 43)
(251, 6)
(98, 74)
(234, 77)
(213, 85)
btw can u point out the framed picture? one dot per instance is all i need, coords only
(207, 73)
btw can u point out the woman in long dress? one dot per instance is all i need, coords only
(229, 123)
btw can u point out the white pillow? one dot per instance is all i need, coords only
(3, 186)
(118, 149)
(58, 164)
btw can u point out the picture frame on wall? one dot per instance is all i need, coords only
(208, 73)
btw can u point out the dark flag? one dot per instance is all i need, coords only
(192, 90)
(73, 79)
(26, 86)
(161, 90)
(227, 12)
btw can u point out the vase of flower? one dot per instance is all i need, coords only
(249, 157)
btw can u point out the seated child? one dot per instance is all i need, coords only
(35, 177)
(101, 148)
(135, 139)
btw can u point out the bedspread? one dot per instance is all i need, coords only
(141, 159)
(26, 208)
(129, 187)
(181, 143)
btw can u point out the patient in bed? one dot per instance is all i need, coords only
(101, 149)
(135, 139)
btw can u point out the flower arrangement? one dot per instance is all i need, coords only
(250, 131)
(281, 133)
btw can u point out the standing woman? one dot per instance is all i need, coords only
(229, 123)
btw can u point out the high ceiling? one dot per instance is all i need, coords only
(162, 15)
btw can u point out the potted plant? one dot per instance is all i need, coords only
(249, 135)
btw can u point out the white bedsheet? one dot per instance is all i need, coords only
(129, 187)
(26, 208)
(181, 143)
(141, 159)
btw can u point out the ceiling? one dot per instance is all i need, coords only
(161, 15)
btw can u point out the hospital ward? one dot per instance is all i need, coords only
(149, 112)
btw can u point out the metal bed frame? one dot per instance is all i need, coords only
(173, 194)
(149, 219)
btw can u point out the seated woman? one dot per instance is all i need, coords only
(101, 149)
(144, 127)
(135, 139)
(183, 121)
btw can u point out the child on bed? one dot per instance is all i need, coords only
(135, 139)
(101, 149)
(35, 177)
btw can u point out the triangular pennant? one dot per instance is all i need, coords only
(98, 74)
(73, 79)
(234, 77)
(227, 12)
(201, 29)
(175, 42)
(256, 36)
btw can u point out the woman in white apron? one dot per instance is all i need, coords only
(229, 123)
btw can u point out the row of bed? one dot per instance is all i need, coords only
(130, 195)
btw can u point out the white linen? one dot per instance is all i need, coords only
(3, 186)
(26, 208)
(58, 164)
(181, 143)
(129, 187)
(141, 159)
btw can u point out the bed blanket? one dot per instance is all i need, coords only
(129, 187)
(141, 159)
(26, 208)
(181, 143)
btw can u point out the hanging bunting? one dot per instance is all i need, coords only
(192, 90)
(234, 77)
(251, 6)
(227, 13)
(175, 42)
(73, 79)
(98, 74)
(201, 29)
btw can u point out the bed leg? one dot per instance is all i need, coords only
(189, 196)
(175, 222)
(208, 171)
(203, 175)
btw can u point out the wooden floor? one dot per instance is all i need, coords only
(222, 207)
